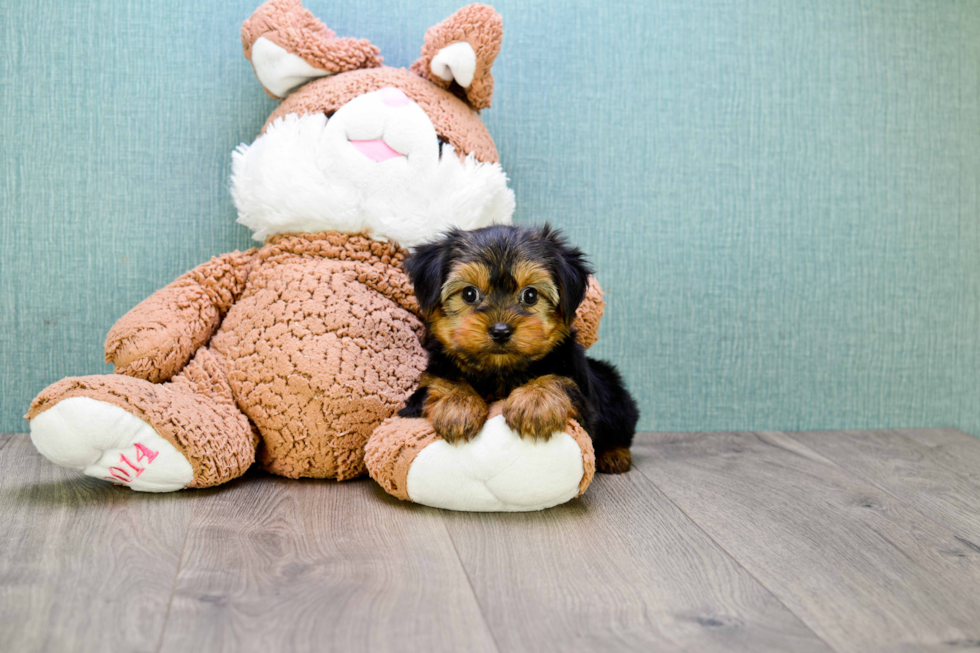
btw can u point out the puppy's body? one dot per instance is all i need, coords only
(601, 404)
(499, 303)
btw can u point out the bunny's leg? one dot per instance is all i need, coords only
(150, 437)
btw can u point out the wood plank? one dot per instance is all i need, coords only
(619, 569)
(8, 437)
(277, 564)
(944, 438)
(955, 449)
(936, 471)
(84, 565)
(861, 568)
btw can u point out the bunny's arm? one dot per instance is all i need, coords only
(157, 337)
(589, 313)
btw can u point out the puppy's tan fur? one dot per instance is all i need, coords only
(455, 409)
(540, 407)
(464, 332)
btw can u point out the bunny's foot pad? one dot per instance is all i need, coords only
(496, 471)
(104, 441)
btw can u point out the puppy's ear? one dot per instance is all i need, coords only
(426, 268)
(571, 272)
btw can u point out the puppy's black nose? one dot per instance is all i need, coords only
(500, 332)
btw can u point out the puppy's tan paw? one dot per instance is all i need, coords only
(540, 407)
(614, 461)
(457, 413)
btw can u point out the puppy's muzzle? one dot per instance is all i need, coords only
(500, 333)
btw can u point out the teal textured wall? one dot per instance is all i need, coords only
(781, 197)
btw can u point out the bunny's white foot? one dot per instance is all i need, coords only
(104, 441)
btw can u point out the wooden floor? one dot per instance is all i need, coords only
(840, 541)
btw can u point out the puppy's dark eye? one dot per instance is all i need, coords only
(470, 295)
(529, 296)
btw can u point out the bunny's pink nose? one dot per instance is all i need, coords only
(393, 97)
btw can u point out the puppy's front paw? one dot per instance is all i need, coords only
(457, 413)
(539, 408)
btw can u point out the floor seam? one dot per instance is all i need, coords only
(7, 438)
(173, 588)
(469, 582)
(736, 560)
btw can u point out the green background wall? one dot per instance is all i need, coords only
(781, 197)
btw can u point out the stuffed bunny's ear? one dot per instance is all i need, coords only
(288, 47)
(459, 52)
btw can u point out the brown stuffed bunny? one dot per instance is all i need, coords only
(294, 352)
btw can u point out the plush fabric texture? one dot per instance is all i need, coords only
(481, 27)
(513, 475)
(455, 62)
(392, 448)
(304, 175)
(589, 313)
(319, 343)
(292, 353)
(452, 118)
(321, 348)
(292, 27)
(195, 412)
(107, 442)
(155, 339)
(280, 72)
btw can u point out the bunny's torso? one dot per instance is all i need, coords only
(320, 348)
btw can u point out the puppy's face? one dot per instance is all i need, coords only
(495, 315)
(499, 298)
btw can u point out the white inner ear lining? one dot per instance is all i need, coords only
(456, 61)
(279, 71)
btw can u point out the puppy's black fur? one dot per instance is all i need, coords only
(542, 344)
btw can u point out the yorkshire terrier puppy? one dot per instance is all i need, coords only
(499, 304)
